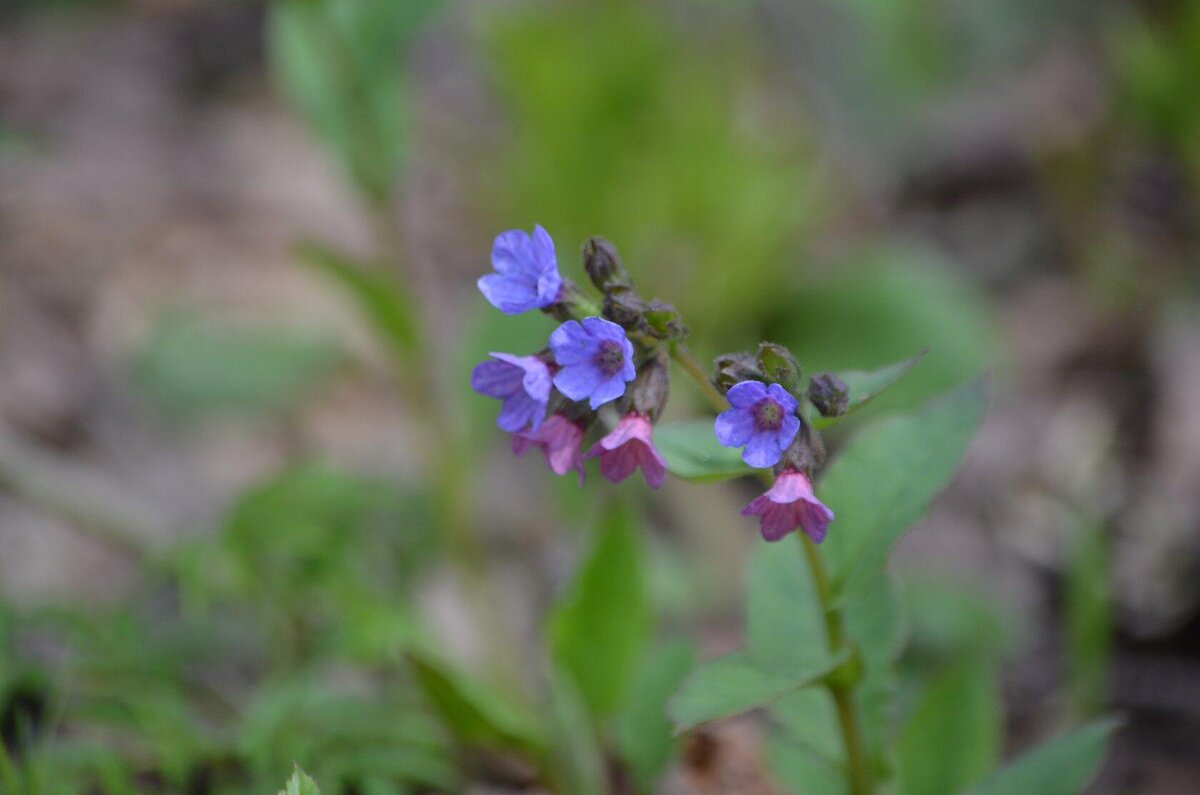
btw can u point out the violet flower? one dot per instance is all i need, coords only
(629, 446)
(763, 419)
(596, 360)
(559, 438)
(788, 504)
(522, 382)
(526, 274)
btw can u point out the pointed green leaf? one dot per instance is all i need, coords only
(300, 784)
(959, 709)
(575, 748)
(885, 478)
(785, 626)
(733, 684)
(803, 770)
(1063, 766)
(379, 297)
(645, 736)
(693, 452)
(475, 713)
(599, 629)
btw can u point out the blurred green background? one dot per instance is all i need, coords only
(251, 515)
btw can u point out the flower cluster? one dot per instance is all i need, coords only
(606, 365)
(551, 399)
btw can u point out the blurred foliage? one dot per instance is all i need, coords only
(340, 63)
(300, 784)
(192, 365)
(326, 557)
(618, 123)
(239, 654)
(884, 306)
(1090, 621)
(1156, 64)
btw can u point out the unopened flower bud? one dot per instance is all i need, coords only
(603, 265)
(733, 368)
(623, 306)
(664, 321)
(779, 365)
(651, 389)
(829, 395)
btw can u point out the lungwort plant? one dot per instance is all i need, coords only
(825, 624)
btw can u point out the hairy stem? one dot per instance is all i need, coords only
(684, 358)
(857, 765)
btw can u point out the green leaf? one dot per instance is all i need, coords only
(190, 366)
(339, 63)
(960, 709)
(599, 628)
(693, 452)
(785, 628)
(786, 643)
(885, 479)
(1062, 766)
(803, 770)
(475, 713)
(733, 684)
(378, 296)
(865, 385)
(645, 737)
(950, 620)
(300, 784)
(883, 305)
(877, 625)
(1089, 619)
(578, 758)
(806, 741)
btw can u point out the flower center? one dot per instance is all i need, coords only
(611, 358)
(768, 415)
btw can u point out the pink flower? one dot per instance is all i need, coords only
(788, 504)
(559, 439)
(629, 446)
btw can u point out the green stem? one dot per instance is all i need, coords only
(684, 358)
(857, 764)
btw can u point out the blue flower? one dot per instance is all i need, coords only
(526, 274)
(596, 360)
(522, 382)
(762, 418)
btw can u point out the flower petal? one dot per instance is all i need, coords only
(496, 379)
(571, 344)
(578, 381)
(745, 394)
(733, 427)
(609, 389)
(783, 397)
(778, 522)
(761, 451)
(815, 519)
(519, 412)
(513, 255)
(654, 466)
(616, 465)
(600, 329)
(788, 430)
(509, 296)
